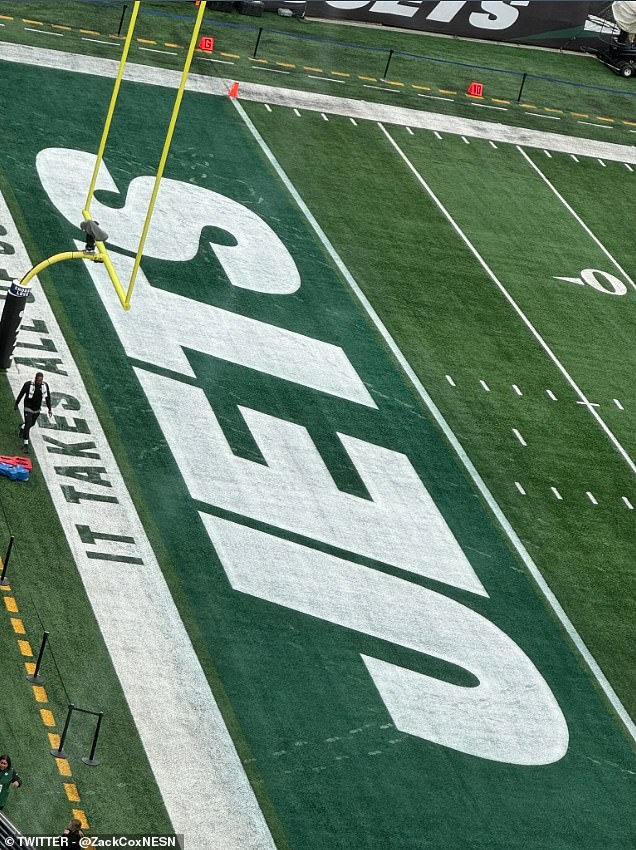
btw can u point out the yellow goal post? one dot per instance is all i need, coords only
(125, 293)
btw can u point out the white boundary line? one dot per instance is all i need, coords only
(535, 333)
(448, 433)
(577, 217)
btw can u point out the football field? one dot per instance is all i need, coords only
(348, 495)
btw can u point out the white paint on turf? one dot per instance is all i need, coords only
(212, 802)
(448, 433)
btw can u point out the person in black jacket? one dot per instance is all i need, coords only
(8, 779)
(36, 394)
(73, 833)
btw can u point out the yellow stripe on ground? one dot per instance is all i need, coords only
(579, 114)
(10, 604)
(54, 741)
(600, 118)
(262, 61)
(80, 815)
(551, 109)
(446, 91)
(340, 74)
(37, 23)
(40, 693)
(71, 792)
(500, 100)
(61, 27)
(168, 44)
(47, 717)
(7, 17)
(421, 88)
(230, 55)
(394, 83)
(630, 123)
(25, 648)
(309, 68)
(285, 64)
(64, 768)
(528, 105)
(18, 626)
(369, 79)
(4, 587)
(146, 41)
(29, 666)
(90, 32)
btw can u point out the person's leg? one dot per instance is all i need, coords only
(29, 421)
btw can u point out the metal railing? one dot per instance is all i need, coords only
(7, 831)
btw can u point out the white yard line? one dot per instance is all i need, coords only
(577, 217)
(310, 101)
(211, 800)
(443, 424)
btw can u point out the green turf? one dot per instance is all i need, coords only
(292, 683)
(555, 84)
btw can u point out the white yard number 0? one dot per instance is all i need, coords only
(608, 283)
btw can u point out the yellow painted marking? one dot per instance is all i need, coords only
(40, 693)
(579, 114)
(90, 32)
(61, 27)
(309, 68)
(47, 717)
(528, 105)
(6, 17)
(18, 626)
(71, 792)
(369, 79)
(29, 666)
(340, 74)
(120, 37)
(25, 648)
(421, 88)
(630, 123)
(262, 61)
(64, 768)
(80, 815)
(285, 65)
(499, 100)
(394, 83)
(550, 109)
(446, 91)
(600, 118)
(230, 55)
(37, 23)
(4, 587)
(54, 741)
(146, 41)
(169, 44)
(10, 604)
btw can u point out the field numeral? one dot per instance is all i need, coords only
(609, 283)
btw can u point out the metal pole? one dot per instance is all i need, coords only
(258, 41)
(59, 753)
(36, 678)
(4, 582)
(91, 761)
(523, 82)
(386, 70)
(123, 15)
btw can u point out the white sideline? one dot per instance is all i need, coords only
(448, 433)
(56, 59)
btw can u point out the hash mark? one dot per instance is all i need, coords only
(520, 488)
(519, 437)
(485, 386)
(590, 496)
(551, 395)
(618, 404)
(557, 494)
(628, 504)
(450, 381)
(517, 390)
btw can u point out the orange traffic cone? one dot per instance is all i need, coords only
(233, 92)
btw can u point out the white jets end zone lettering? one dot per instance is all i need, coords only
(511, 715)
(494, 14)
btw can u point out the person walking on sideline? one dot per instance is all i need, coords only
(8, 779)
(36, 393)
(73, 833)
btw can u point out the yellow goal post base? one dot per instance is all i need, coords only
(125, 293)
